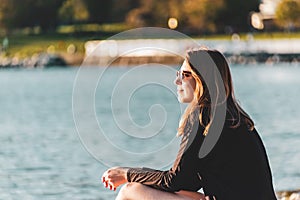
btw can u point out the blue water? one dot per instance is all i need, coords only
(47, 154)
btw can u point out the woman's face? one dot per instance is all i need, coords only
(185, 84)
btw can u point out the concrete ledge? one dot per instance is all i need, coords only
(171, 51)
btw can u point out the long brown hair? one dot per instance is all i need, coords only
(202, 101)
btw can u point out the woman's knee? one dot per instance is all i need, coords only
(128, 190)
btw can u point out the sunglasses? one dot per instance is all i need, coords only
(183, 74)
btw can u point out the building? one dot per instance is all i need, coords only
(264, 19)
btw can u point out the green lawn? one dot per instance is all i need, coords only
(27, 45)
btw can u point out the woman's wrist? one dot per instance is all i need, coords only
(125, 171)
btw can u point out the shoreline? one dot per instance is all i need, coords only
(160, 51)
(171, 51)
(77, 59)
(267, 58)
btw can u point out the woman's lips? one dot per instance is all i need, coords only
(179, 91)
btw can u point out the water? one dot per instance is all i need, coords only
(43, 157)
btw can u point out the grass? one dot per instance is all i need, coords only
(28, 42)
(27, 45)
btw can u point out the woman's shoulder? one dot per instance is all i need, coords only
(238, 122)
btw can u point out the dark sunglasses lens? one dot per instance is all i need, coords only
(183, 74)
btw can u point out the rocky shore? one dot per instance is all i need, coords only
(65, 60)
(42, 60)
(288, 195)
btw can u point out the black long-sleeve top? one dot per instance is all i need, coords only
(236, 168)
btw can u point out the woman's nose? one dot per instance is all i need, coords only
(177, 81)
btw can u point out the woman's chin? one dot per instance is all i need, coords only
(182, 100)
(179, 99)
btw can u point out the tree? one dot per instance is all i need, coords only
(234, 17)
(99, 10)
(6, 15)
(145, 15)
(287, 14)
(195, 16)
(29, 13)
(120, 9)
(73, 11)
(192, 15)
(200, 15)
(45, 13)
(14, 14)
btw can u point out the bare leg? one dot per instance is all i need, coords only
(137, 191)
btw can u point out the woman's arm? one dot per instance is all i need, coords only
(164, 180)
(182, 176)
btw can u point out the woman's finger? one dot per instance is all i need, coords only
(106, 184)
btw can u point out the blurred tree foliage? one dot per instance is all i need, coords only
(7, 14)
(234, 16)
(194, 16)
(121, 8)
(206, 16)
(288, 14)
(191, 14)
(47, 14)
(73, 11)
(99, 10)
(44, 13)
(29, 13)
(200, 15)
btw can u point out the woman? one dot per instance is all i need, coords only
(234, 167)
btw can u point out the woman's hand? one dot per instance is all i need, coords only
(114, 177)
